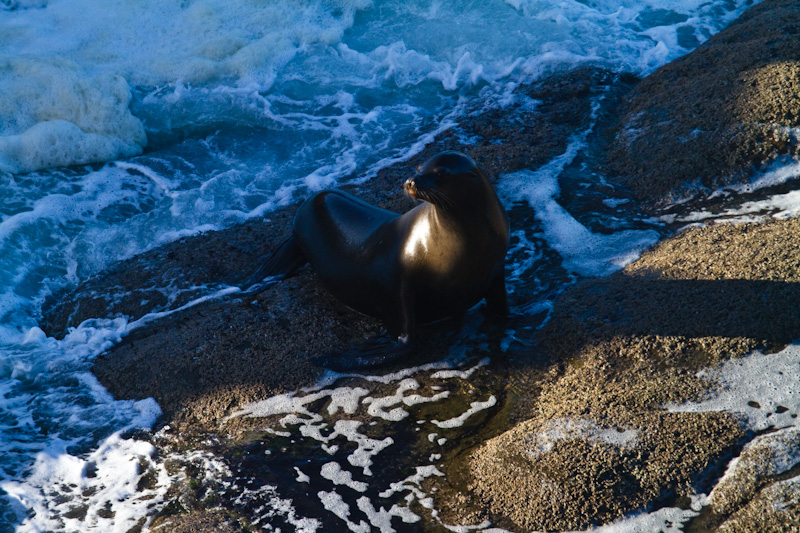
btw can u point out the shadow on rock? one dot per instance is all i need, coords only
(596, 437)
(747, 312)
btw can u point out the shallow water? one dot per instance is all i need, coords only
(124, 126)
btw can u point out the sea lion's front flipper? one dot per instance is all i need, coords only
(497, 297)
(396, 344)
(281, 264)
(376, 351)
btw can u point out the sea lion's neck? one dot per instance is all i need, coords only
(451, 228)
(484, 214)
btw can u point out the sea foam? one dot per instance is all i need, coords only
(53, 113)
(192, 63)
(66, 75)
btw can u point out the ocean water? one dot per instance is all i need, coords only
(127, 124)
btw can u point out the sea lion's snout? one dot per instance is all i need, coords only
(410, 186)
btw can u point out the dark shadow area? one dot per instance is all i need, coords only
(763, 311)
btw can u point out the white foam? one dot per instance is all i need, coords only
(53, 113)
(474, 407)
(461, 374)
(331, 377)
(412, 483)
(755, 387)
(88, 221)
(530, 254)
(334, 503)
(377, 405)
(367, 447)
(381, 518)
(346, 398)
(105, 483)
(778, 173)
(65, 478)
(60, 479)
(301, 477)
(779, 206)
(334, 472)
(561, 429)
(583, 252)
(665, 520)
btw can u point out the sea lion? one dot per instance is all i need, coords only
(436, 260)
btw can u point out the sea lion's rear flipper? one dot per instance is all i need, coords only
(284, 262)
(376, 351)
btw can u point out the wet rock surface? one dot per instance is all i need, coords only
(708, 118)
(581, 436)
(612, 446)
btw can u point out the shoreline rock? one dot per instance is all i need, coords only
(713, 116)
(583, 416)
(629, 350)
(217, 353)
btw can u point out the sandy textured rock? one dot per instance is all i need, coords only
(776, 509)
(593, 463)
(204, 362)
(764, 457)
(633, 342)
(708, 118)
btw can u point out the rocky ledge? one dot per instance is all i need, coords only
(584, 437)
(713, 116)
(599, 439)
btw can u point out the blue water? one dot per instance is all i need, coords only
(125, 125)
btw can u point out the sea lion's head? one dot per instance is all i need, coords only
(448, 180)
